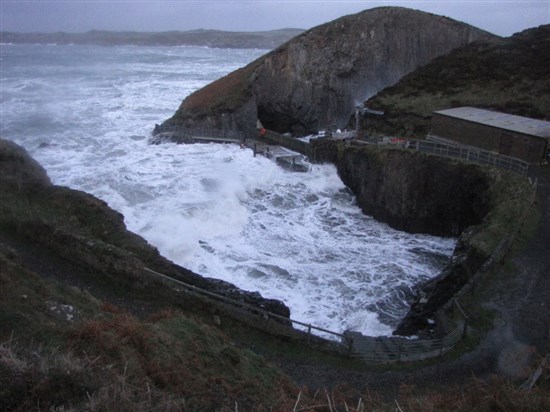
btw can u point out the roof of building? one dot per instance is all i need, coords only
(525, 125)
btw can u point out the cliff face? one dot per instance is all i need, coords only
(411, 191)
(501, 76)
(316, 79)
(416, 192)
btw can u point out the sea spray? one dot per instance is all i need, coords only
(85, 113)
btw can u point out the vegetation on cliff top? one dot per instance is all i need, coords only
(224, 95)
(510, 75)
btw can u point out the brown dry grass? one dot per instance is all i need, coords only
(41, 379)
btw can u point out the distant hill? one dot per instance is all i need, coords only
(209, 38)
(511, 75)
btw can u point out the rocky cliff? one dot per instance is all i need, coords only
(417, 192)
(316, 79)
(411, 191)
(503, 76)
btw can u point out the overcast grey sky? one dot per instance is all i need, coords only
(502, 17)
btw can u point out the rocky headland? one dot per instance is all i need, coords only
(316, 79)
(83, 328)
(509, 75)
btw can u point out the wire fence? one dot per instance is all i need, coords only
(371, 349)
(444, 147)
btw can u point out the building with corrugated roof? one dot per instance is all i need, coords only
(507, 134)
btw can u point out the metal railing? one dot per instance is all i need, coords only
(187, 135)
(443, 147)
(448, 148)
(251, 308)
(390, 349)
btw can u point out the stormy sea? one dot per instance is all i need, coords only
(86, 114)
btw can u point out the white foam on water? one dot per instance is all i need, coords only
(86, 112)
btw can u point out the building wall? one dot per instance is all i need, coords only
(529, 148)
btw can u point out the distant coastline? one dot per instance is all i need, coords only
(209, 38)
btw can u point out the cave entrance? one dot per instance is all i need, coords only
(279, 122)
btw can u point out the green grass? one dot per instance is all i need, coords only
(511, 202)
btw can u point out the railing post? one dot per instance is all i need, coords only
(350, 346)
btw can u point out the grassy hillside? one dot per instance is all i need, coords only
(510, 75)
(62, 347)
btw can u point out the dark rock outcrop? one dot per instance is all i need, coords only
(436, 292)
(417, 192)
(79, 228)
(411, 191)
(316, 79)
(19, 169)
(502, 76)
